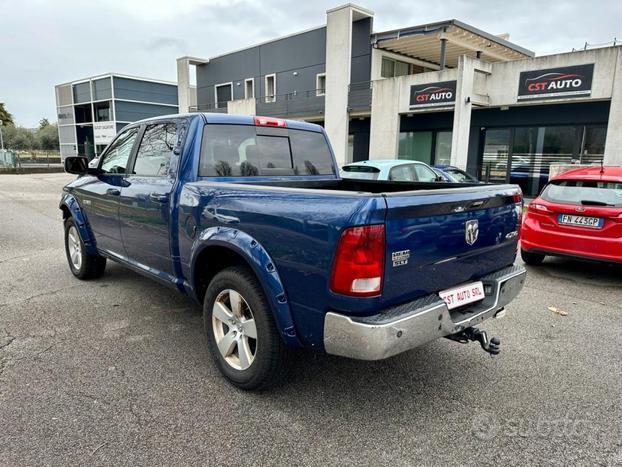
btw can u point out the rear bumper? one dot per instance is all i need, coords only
(412, 324)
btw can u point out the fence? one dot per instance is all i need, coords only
(30, 161)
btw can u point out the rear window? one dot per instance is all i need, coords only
(247, 151)
(360, 172)
(586, 192)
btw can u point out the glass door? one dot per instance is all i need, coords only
(496, 157)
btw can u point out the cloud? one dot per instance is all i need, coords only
(45, 43)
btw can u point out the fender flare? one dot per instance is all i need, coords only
(77, 213)
(262, 265)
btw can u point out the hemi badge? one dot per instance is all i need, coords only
(400, 258)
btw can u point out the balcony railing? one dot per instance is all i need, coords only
(293, 104)
(301, 103)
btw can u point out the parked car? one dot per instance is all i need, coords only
(454, 174)
(394, 170)
(248, 216)
(579, 215)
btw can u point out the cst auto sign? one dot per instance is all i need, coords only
(570, 81)
(432, 94)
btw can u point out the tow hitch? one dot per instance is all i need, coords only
(492, 346)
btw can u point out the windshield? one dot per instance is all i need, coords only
(360, 172)
(460, 176)
(586, 192)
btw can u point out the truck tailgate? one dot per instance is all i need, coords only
(438, 239)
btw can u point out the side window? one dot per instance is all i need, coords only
(425, 174)
(402, 173)
(117, 155)
(154, 153)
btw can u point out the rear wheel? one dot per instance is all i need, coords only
(241, 333)
(82, 266)
(533, 259)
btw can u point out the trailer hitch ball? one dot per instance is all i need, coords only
(492, 346)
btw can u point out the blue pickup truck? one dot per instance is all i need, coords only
(248, 216)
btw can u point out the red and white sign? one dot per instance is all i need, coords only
(462, 295)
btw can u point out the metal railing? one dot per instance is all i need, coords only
(293, 104)
(23, 161)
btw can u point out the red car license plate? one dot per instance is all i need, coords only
(462, 295)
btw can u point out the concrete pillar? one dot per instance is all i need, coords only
(183, 84)
(186, 93)
(462, 113)
(242, 107)
(338, 63)
(613, 143)
(384, 128)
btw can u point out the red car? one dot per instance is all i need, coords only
(579, 215)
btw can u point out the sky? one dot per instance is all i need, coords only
(43, 43)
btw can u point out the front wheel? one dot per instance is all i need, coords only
(533, 259)
(82, 266)
(241, 333)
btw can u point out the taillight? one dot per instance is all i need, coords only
(359, 262)
(269, 121)
(538, 207)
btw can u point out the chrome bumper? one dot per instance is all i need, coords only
(412, 324)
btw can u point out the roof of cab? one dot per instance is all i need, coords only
(592, 173)
(231, 119)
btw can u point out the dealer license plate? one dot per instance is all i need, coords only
(462, 295)
(581, 221)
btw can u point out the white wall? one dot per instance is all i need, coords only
(493, 85)
(242, 107)
(613, 145)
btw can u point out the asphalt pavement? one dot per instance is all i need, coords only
(116, 371)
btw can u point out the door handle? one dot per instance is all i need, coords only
(113, 192)
(158, 197)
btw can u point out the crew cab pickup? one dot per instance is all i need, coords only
(248, 216)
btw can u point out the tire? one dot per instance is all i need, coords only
(533, 259)
(250, 356)
(82, 266)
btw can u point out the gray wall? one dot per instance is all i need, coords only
(303, 53)
(82, 92)
(361, 50)
(102, 89)
(132, 111)
(137, 90)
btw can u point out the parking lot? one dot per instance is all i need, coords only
(116, 371)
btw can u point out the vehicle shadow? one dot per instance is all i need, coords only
(585, 272)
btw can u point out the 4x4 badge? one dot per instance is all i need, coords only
(471, 231)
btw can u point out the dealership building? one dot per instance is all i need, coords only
(442, 93)
(92, 110)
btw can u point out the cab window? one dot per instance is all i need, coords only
(156, 147)
(118, 153)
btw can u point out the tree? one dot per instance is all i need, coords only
(19, 138)
(5, 116)
(43, 123)
(47, 136)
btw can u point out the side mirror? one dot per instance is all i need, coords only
(76, 165)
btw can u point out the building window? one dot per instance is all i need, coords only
(223, 93)
(431, 147)
(270, 88)
(392, 68)
(249, 88)
(320, 84)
